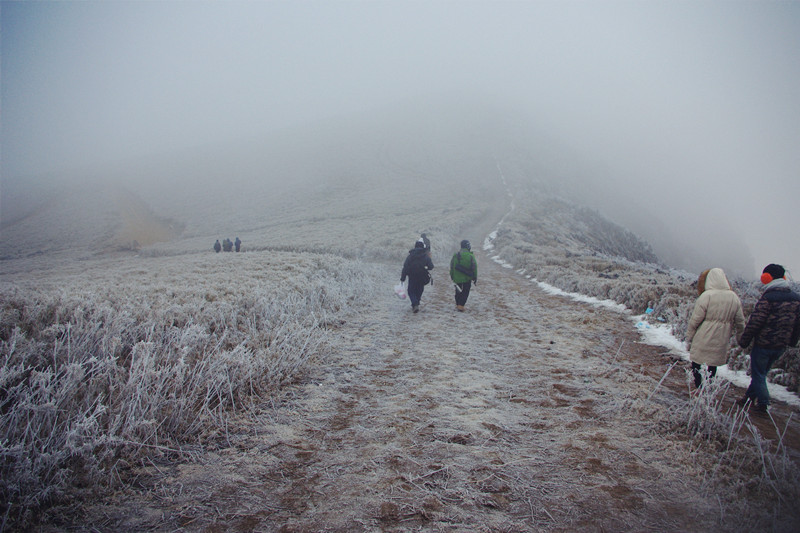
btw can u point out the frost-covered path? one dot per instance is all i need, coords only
(509, 417)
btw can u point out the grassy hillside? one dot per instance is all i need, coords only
(164, 340)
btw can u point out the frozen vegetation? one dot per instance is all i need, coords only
(287, 387)
(575, 249)
(103, 370)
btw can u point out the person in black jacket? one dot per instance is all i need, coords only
(416, 268)
(773, 325)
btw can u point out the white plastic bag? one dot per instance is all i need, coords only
(400, 291)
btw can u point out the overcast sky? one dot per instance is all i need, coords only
(695, 106)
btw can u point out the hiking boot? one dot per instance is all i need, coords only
(761, 408)
(460, 308)
(415, 308)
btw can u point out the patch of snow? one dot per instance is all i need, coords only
(608, 304)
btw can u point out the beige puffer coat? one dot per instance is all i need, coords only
(717, 312)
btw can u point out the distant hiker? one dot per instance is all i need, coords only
(237, 243)
(463, 272)
(217, 246)
(427, 242)
(416, 267)
(773, 325)
(227, 245)
(716, 313)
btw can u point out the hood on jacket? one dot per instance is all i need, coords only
(716, 280)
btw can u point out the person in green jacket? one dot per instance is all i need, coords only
(463, 272)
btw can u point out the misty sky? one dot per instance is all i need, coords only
(692, 108)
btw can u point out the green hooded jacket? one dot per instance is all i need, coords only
(463, 267)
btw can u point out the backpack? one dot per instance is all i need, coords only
(464, 265)
(416, 267)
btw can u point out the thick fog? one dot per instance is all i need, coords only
(688, 111)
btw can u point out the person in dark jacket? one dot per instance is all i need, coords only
(237, 243)
(773, 325)
(217, 246)
(416, 268)
(463, 272)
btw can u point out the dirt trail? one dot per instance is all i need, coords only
(503, 418)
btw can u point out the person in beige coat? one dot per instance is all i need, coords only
(717, 313)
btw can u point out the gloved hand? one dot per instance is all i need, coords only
(475, 282)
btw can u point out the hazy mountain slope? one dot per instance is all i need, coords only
(527, 413)
(84, 219)
(364, 187)
(395, 419)
(412, 164)
(311, 187)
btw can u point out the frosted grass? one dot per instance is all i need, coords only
(151, 358)
(563, 247)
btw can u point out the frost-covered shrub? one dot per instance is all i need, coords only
(151, 357)
(737, 460)
(576, 250)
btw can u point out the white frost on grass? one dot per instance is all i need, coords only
(162, 350)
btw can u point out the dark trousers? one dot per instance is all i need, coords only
(761, 360)
(415, 288)
(698, 377)
(463, 294)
